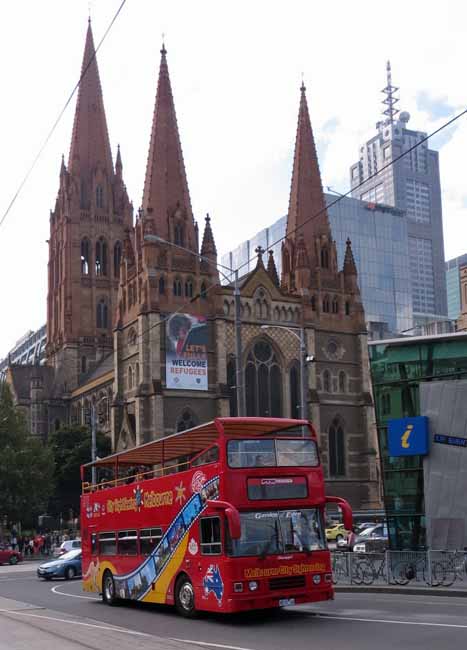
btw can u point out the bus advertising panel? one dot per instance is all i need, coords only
(186, 352)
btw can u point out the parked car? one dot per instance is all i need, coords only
(69, 545)
(336, 532)
(67, 566)
(7, 556)
(371, 539)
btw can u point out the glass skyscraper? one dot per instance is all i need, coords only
(411, 184)
(381, 250)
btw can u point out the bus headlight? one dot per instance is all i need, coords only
(317, 579)
(252, 585)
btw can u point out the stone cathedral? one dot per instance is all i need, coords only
(140, 327)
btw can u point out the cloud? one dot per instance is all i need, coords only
(434, 107)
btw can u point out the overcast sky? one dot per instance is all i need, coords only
(235, 69)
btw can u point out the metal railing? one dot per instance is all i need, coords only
(415, 568)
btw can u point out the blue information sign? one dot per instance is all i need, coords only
(408, 436)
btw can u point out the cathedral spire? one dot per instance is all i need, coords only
(208, 247)
(350, 267)
(90, 145)
(307, 214)
(166, 198)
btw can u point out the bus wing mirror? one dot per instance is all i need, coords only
(231, 514)
(346, 510)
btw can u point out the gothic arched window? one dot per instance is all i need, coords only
(137, 374)
(178, 235)
(101, 256)
(327, 381)
(336, 449)
(263, 381)
(189, 289)
(83, 364)
(335, 305)
(177, 287)
(204, 291)
(99, 196)
(324, 258)
(313, 303)
(232, 386)
(102, 315)
(85, 254)
(186, 420)
(295, 392)
(117, 258)
(342, 382)
(326, 304)
(161, 285)
(347, 308)
(130, 378)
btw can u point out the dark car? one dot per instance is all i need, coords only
(7, 556)
(67, 566)
(372, 537)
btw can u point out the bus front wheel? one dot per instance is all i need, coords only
(185, 597)
(108, 589)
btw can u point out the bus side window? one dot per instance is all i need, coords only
(127, 542)
(107, 544)
(93, 544)
(210, 535)
(149, 538)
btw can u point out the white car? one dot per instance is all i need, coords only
(69, 545)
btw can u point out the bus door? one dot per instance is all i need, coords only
(205, 556)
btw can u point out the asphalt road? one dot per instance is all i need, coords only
(361, 621)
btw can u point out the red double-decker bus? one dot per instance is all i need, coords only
(225, 517)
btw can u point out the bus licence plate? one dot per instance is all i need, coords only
(286, 602)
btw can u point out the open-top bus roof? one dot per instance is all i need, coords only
(195, 440)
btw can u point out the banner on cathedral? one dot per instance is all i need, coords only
(186, 352)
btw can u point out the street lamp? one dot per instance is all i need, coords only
(93, 437)
(304, 358)
(237, 316)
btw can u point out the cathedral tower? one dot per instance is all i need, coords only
(87, 228)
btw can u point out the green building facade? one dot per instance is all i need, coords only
(398, 368)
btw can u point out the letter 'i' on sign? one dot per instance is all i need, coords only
(408, 436)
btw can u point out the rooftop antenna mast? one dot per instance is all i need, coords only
(389, 101)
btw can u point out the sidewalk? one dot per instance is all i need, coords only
(26, 626)
(423, 590)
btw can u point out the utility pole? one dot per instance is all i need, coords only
(93, 443)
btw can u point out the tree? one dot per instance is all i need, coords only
(71, 448)
(26, 465)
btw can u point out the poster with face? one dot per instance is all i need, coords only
(186, 352)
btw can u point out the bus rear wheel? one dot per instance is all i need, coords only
(185, 597)
(108, 589)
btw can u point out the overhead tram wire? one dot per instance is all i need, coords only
(60, 115)
(337, 200)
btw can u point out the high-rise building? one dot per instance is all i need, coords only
(380, 246)
(411, 184)
(453, 285)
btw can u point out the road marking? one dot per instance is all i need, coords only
(60, 593)
(389, 621)
(66, 620)
(211, 645)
